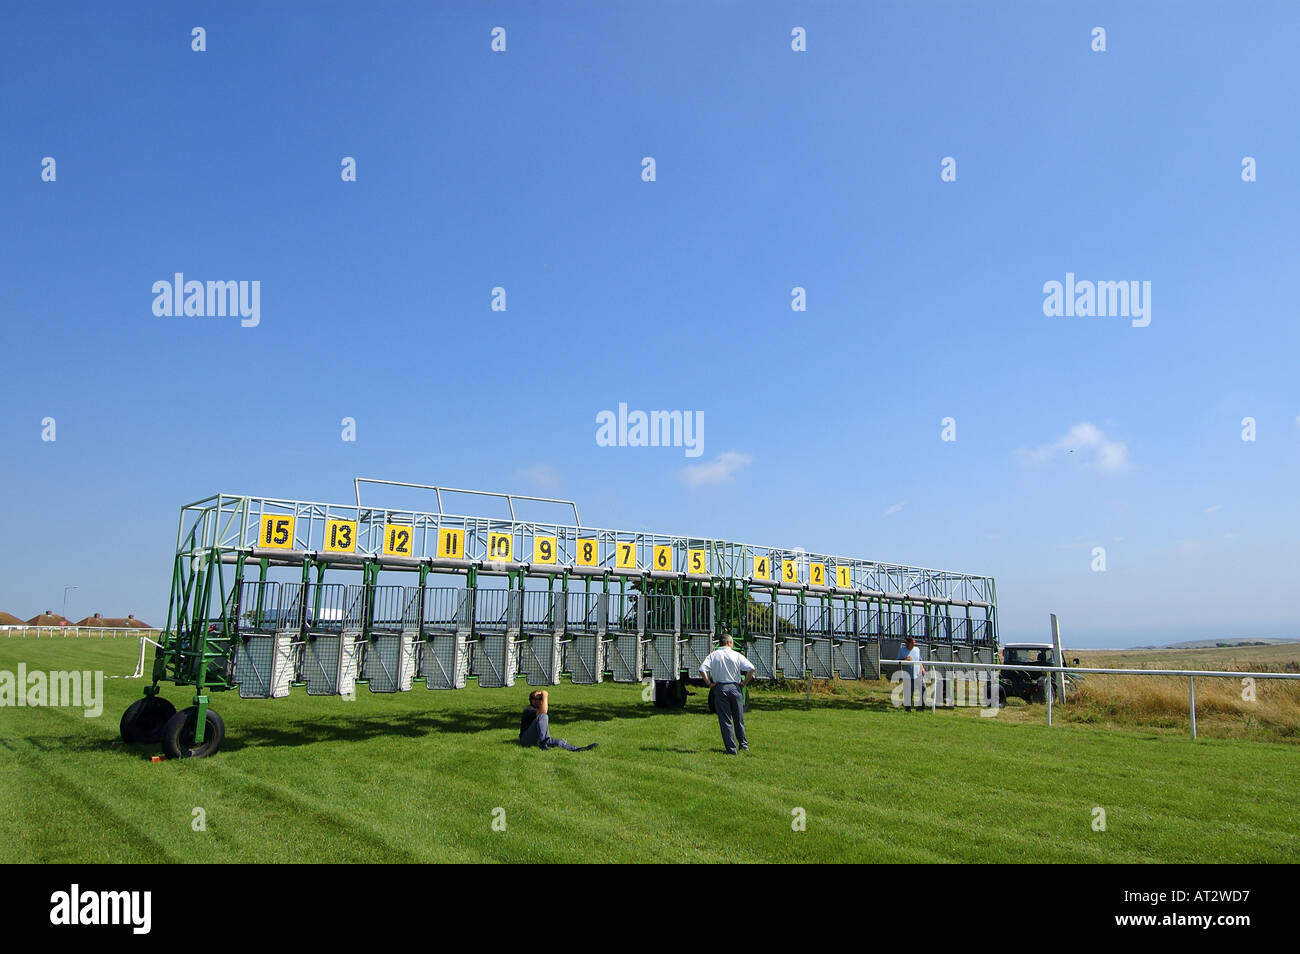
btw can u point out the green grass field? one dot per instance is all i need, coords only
(417, 777)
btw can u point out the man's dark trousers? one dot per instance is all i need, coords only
(729, 701)
(538, 733)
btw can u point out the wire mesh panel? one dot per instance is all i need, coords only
(981, 632)
(847, 661)
(330, 663)
(265, 665)
(496, 660)
(626, 657)
(790, 657)
(390, 662)
(584, 658)
(869, 654)
(445, 663)
(664, 654)
(695, 649)
(890, 649)
(819, 657)
(761, 651)
(984, 654)
(964, 654)
(918, 626)
(540, 658)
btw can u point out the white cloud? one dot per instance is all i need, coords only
(1085, 440)
(541, 475)
(893, 509)
(1214, 508)
(717, 471)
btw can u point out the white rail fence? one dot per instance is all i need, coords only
(77, 632)
(1191, 675)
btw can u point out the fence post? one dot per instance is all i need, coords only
(1049, 701)
(1191, 701)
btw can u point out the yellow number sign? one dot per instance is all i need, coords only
(695, 562)
(451, 544)
(588, 553)
(844, 577)
(501, 546)
(663, 558)
(399, 539)
(762, 568)
(543, 549)
(817, 574)
(789, 571)
(626, 556)
(277, 532)
(340, 536)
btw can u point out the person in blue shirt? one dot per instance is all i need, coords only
(535, 725)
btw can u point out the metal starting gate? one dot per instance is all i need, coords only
(497, 598)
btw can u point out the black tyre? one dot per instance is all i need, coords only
(144, 719)
(178, 735)
(663, 690)
(1002, 697)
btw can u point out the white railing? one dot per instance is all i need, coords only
(1190, 674)
(76, 632)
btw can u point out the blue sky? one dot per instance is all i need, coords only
(774, 169)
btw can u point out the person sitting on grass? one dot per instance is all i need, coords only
(535, 725)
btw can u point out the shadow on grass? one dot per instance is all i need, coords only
(760, 703)
(339, 726)
(569, 719)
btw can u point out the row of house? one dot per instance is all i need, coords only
(49, 618)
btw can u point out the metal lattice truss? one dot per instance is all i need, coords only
(287, 532)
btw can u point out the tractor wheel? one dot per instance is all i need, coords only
(144, 719)
(178, 735)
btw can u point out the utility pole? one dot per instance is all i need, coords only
(65, 599)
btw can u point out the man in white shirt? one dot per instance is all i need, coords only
(727, 673)
(913, 674)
